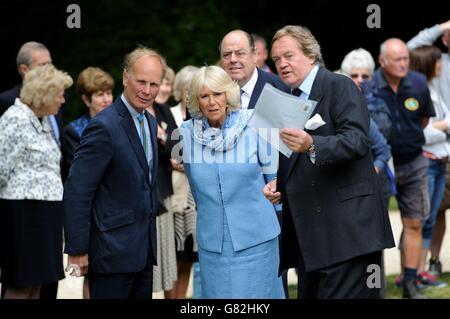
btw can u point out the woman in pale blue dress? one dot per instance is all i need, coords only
(227, 165)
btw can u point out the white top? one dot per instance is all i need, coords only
(177, 114)
(436, 140)
(248, 90)
(30, 157)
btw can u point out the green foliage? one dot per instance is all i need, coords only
(183, 31)
(393, 205)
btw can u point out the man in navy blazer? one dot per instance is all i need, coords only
(110, 197)
(335, 225)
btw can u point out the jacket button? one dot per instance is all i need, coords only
(318, 209)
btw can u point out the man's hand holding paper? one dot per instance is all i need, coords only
(278, 110)
(297, 140)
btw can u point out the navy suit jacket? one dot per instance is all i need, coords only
(263, 78)
(333, 210)
(8, 97)
(110, 205)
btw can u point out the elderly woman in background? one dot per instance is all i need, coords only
(31, 188)
(95, 87)
(183, 203)
(166, 87)
(237, 228)
(165, 272)
(180, 93)
(358, 65)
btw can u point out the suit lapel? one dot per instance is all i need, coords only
(153, 128)
(130, 130)
(256, 90)
(316, 95)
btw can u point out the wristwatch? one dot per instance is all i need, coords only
(312, 149)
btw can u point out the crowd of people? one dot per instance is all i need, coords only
(138, 192)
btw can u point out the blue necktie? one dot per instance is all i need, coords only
(144, 139)
(141, 118)
(296, 92)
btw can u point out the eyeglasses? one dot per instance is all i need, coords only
(363, 76)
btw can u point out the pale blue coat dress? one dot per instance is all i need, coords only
(237, 227)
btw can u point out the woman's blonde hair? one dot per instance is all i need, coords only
(217, 80)
(42, 85)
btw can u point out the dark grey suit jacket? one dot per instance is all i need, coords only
(333, 210)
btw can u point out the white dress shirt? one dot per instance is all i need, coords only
(248, 90)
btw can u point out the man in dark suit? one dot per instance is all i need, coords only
(32, 54)
(335, 225)
(110, 196)
(238, 58)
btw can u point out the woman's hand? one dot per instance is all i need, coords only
(270, 192)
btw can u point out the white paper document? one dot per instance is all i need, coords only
(275, 110)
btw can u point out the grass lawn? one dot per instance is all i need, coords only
(432, 293)
(393, 292)
(393, 204)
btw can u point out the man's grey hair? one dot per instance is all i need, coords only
(307, 43)
(383, 46)
(26, 50)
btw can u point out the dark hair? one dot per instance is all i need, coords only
(423, 60)
(251, 41)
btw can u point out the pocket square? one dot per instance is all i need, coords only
(314, 123)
